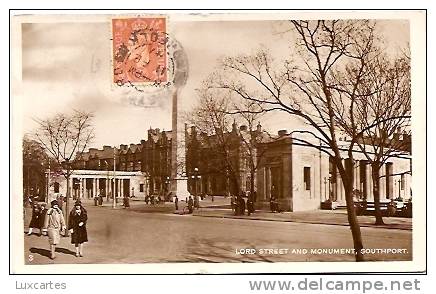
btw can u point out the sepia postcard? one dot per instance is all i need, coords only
(218, 142)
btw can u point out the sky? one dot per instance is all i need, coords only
(67, 65)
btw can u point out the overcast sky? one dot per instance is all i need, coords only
(67, 65)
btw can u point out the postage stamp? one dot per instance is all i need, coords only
(139, 51)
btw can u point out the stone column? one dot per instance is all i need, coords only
(80, 188)
(179, 183)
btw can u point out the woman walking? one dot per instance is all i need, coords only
(53, 224)
(77, 227)
(35, 221)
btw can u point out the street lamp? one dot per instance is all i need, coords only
(67, 166)
(196, 177)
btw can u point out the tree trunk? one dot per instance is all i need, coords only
(252, 174)
(352, 220)
(375, 173)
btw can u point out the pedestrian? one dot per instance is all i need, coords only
(190, 204)
(100, 200)
(42, 215)
(233, 204)
(176, 202)
(95, 200)
(241, 205)
(77, 227)
(60, 201)
(126, 201)
(212, 198)
(196, 202)
(152, 200)
(250, 206)
(147, 198)
(54, 223)
(35, 221)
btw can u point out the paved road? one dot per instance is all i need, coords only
(131, 236)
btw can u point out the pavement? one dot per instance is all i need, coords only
(141, 234)
(325, 217)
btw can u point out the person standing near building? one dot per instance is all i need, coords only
(176, 202)
(53, 224)
(233, 204)
(35, 221)
(60, 201)
(42, 215)
(77, 227)
(190, 204)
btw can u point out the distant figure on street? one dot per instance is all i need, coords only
(196, 202)
(42, 215)
(241, 203)
(77, 227)
(126, 201)
(147, 199)
(60, 201)
(190, 204)
(152, 200)
(233, 204)
(212, 197)
(96, 200)
(250, 206)
(100, 200)
(35, 221)
(53, 224)
(176, 202)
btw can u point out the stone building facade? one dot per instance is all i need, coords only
(304, 176)
(140, 169)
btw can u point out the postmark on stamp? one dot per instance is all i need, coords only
(139, 51)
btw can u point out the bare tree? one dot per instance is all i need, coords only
(64, 137)
(382, 110)
(305, 87)
(211, 117)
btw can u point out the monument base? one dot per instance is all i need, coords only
(181, 189)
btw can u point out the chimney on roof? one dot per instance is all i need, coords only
(107, 147)
(123, 146)
(282, 133)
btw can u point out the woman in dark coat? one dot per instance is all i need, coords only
(77, 227)
(35, 221)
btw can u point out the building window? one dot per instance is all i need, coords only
(141, 187)
(402, 182)
(307, 177)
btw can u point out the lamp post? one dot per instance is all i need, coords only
(66, 165)
(196, 177)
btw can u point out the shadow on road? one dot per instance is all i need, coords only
(46, 252)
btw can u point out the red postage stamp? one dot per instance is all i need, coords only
(139, 50)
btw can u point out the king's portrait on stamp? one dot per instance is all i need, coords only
(187, 143)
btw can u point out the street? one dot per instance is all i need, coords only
(140, 236)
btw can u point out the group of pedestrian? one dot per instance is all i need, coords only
(153, 199)
(239, 205)
(98, 200)
(51, 222)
